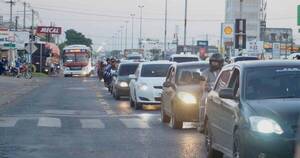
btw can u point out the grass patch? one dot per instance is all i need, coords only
(37, 74)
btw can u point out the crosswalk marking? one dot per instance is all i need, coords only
(60, 112)
(91, 123)
(8, 122)
(135, 123)
(49, 122)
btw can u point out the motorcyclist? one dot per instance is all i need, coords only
(216, 62)
(108, 72)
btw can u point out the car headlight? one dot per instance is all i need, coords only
(123, 84)
(142, 86)
(67, 68)
(187, 98)
(265, 125)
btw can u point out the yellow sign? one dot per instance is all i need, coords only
(228, 30)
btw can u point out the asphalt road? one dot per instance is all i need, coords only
(78, 118)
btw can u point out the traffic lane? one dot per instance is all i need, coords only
(64, 132)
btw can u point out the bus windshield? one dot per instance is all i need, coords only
(76, 57)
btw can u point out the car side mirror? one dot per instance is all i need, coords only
(132, 77)
(227, 93)
(167, 84)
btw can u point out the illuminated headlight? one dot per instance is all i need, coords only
(187, 98)
(142, 86)
(265, 125)
(123, 84)
(46, 70)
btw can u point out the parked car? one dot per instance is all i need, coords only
(120, 83)
(182, 93)
(181, 58)
(243, 58)
(146, 84)
(253, 110)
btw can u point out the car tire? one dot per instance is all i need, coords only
(163, 116)
(116, 95)
(175, 123)
(211, 153)
(138, 106)
(131, 102)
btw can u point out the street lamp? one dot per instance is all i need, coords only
(185, 26)
(121, 37)
(126, 31)
(166, 23)
(141, 18)
(132, 21)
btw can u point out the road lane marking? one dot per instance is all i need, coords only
(110, 112)
(135, 123)
(49, 122)
(91, 123)
(60, 112)
(8, 122)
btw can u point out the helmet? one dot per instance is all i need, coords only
(216, 58)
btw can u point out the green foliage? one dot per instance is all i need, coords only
(74, 37)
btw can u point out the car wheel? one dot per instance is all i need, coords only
(163, 116)
(137, 106)
(117, 96)
(175, 123)
(131, 101)
(211, 153)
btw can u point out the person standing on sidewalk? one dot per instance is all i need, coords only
(216, 62)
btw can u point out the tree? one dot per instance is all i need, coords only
(74, 37)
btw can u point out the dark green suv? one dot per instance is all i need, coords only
(253, 110)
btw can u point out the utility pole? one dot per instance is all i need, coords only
(24, 16)
(11, 2)
(16, 23)
(141, 24)
(185, 26)
(132, 21)
(126, 32)
(166, 25)
(121, 37)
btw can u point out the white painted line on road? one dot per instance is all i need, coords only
(49, 122)
(60, 112)
(76, 88)
(91, 123)
(135, 123)
(110, 112)
(8, 122)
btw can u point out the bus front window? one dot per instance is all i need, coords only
(68, 58)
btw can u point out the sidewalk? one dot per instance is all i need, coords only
(12, 88)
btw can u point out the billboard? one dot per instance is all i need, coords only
(278, 35)
(49, 30)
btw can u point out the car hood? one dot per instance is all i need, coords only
(124, 78)
(154, 81)
(285, 110)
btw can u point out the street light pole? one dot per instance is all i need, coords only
(132, 21)
(141, 23)
(166, 23)
(185, 26)
(121, 37)
(126, 33)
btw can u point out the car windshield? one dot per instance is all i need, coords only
(185, 59)
(190, 75)
(155, 70)
(273, 83)
(126, 70)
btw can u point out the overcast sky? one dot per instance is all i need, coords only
(100, 19)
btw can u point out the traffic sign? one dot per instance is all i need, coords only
(33, 48)
(228, 30)
(202, 43)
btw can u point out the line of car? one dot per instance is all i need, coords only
(252, 111)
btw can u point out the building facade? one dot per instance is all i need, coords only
(246, 9)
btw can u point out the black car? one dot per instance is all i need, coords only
(181, 93)
(253, 110)
(121, 80)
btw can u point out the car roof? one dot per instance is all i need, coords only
(196, 63)
(244, 57)
(156, 62)
(264, 63)
(184, 55)
(130, 63)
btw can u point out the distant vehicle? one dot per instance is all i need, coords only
(146, 84)
(243, 58)
(181, 58)
(136, 57)
(77, 60)
(253, 110)
(182, 93)
(120, 83)
(294, 56)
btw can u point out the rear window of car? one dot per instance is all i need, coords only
(245, 59)
(185, 59)
(126, 70)
(155, 70)
(189, 75)
(134, 58)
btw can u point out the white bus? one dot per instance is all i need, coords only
(77, 60)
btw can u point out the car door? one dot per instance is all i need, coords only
(214, 109)
(229, 110)
(167, 90)
(132, 84)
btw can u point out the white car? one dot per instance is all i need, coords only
(146, 84)
(182, 58)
